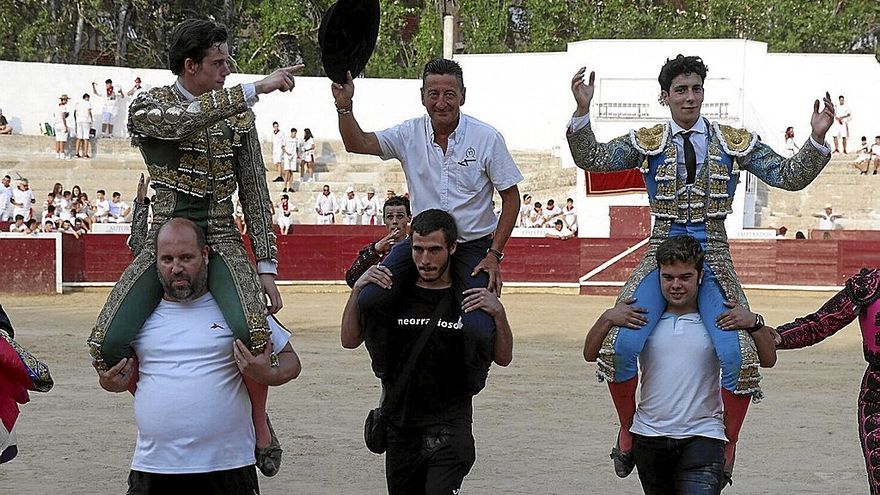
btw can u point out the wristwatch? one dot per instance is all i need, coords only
(759, 324)
(498, 254)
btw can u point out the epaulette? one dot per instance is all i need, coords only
(164, 94)
(650, 140)
(242, 123)
(864, 288)
(735, 141)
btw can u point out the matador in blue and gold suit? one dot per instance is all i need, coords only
(696, 209)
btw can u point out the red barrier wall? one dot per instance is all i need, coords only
(323, 253)
(28, 265)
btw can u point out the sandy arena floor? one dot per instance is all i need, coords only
(543, 425)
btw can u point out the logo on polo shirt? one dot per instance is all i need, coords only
(470, 155)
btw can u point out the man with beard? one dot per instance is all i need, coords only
(192, 410)
(426, 359)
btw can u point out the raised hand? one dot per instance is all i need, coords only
(583, 91)
(821, 121)
(280, 80)
(343, 93)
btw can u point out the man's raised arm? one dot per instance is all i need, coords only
(618, 154)
(354, 138)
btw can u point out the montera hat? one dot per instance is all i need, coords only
(347, 37)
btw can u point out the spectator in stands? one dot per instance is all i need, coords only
(102, 207)
(82, 118)
(108, 109)
(58, 192)
(79, 227)
(840, 126)
(370, 208)
(5, 126)
(781, 231)
(389, 194)
(50, 201)
(61, 128)
(49, 215)
(291, 160)
(5, 198)
(397, 215)
(551, 213)
(790, 146)
(326, 207)
(33, 227)
(525, 210)
(23, 200)
(64, 208)
(863, 160)
(18, 227)
(75, 192)
(49, 227)
(799, 235)
(308, 155)
(569, 216)
(238, 217)
(558, 231)
(282, 211)
(350, 207)
(278, 151)
(827, 218)
(67, 228)
(137, 88)
(119, 209)
(536, 216)
(83, 211)
(875, 153)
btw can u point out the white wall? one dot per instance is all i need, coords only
(527, 96)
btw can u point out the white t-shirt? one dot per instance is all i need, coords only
(5, 196)
(81, 111)
(59, 116)
(349, 206)
(569, 218)
(291, 146)
(370, 207)
(277, 143)
(23, 198)
(192, 409)
(549, 215)
(840, 111)
(117, 209)
(461, 182)
(681, 382)
(102, 208)
(326, 204)
(308, 149)
(875, 150)
(559, 234)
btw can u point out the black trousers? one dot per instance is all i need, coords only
(238, 481)
(687, 466)
(430, 460)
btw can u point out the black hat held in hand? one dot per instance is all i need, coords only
(347, 37)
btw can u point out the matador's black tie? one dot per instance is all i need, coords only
(690, 157)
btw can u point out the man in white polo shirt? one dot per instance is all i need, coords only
(678, 428)
(193, 414)
(453, 162)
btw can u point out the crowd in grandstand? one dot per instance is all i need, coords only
(68, 211)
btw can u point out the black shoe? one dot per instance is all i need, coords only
(269, 458)
(278, 179)
(624, 462)
(284, 190)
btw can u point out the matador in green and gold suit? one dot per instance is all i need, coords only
(198, 150)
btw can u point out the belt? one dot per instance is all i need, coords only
(326, 214)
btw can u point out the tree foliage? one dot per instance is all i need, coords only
(265, 34)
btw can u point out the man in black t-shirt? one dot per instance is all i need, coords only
(430, 439)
